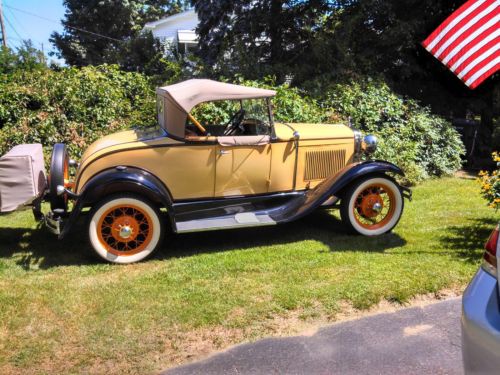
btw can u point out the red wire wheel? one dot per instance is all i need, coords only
(125, 230)
(374, 207)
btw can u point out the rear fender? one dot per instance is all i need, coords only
(333, 186)
(119, 180)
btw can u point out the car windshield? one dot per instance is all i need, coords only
(247, 117)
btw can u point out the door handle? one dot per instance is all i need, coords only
(223, 152)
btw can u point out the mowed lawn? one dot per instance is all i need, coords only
(61, 310)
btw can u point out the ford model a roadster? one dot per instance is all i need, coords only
(247, 172)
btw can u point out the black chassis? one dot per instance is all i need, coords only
(282, 207)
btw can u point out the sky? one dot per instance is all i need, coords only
(45, 18)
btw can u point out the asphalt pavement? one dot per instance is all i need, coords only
(416, 340)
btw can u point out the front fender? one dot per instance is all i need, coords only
(354, 171)
(119, 180)
(333, 185)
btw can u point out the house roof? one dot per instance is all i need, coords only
(186, 14)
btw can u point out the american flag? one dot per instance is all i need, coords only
(468, 42)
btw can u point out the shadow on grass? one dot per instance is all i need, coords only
(37, 248)
(320, 226)
(467, 241)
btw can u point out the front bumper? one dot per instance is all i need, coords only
(481, 325)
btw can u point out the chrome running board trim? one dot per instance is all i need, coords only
(240, 220)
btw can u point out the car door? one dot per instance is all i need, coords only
(242, 165)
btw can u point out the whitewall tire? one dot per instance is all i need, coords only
(125, 229)
(372, 206)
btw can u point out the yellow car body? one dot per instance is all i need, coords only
(201, 169)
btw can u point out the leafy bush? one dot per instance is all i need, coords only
(75, 106)
(423, 144)
(290, 105)
(490, 184)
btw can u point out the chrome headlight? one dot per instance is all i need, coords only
(369, 144)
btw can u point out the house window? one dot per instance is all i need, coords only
(187, 41)
(186, 47)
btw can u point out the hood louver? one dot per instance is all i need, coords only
(322, 164)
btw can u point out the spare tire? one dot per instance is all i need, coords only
(59, 175)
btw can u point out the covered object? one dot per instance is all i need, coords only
(22, 176)
(176, 101)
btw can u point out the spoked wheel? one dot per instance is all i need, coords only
(125, 229)
(372, 206)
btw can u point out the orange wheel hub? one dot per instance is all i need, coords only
(125, 230)
(374, 207)
(371, 205)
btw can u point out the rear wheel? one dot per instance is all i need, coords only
(125, 229)
(372, 206)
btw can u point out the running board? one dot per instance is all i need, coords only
(241, 220)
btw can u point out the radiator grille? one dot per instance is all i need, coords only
(321, 164)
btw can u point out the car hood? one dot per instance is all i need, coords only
(313, 131)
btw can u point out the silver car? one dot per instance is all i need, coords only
(481, 314)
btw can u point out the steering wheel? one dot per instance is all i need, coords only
(234, 123)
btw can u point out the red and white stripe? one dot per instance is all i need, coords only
(468, 42)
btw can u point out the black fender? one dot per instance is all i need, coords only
(119, 180)
(333, 185)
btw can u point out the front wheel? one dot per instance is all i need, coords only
(372, 206)
(125, 229)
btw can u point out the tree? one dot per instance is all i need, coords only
(25, 58)
(103, 31)
(255, 38)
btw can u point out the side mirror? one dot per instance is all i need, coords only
(296, 135)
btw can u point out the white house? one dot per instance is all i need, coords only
(178, 30)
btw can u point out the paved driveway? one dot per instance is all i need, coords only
(418, 340)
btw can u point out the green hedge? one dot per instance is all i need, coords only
(75, 106)
(423, 144)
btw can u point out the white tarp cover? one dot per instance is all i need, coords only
(22, 176)
(189, 93)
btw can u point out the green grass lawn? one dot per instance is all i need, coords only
(63, 311)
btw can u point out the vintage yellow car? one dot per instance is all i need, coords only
(250, 171)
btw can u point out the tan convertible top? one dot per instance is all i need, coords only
(195, 91)
(179, 99)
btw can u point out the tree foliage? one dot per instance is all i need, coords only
(24, 58)
(109, 31)
(255, 38)
(383, 38)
